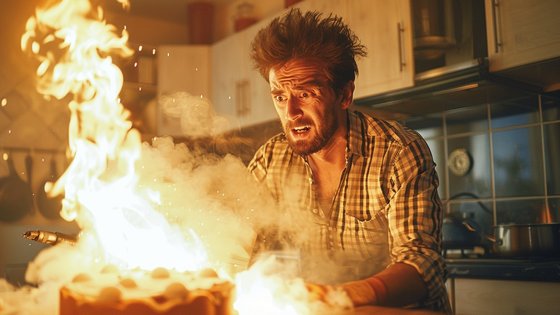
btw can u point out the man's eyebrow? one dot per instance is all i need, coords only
(306, 84)
(312, 82)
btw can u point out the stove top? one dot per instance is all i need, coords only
(506, 268)
(479, 255)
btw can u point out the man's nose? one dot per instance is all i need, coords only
(293, 109)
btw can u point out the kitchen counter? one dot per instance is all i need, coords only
(381, 310)
(533, 269)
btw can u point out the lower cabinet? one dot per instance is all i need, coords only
(476, 296)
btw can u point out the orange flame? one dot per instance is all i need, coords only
(267, 288)
(74, 46)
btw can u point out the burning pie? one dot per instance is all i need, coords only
(111, 292)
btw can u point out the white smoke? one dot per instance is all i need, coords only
(195, 114)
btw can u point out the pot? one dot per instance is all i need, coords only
(527, 240)
(15, 195)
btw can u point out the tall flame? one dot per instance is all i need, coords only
(74, 45)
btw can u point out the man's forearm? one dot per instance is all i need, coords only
(404, 285)
(398, 285)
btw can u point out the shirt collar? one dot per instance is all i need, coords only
(356, 130)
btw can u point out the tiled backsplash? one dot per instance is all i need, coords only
(513, 149)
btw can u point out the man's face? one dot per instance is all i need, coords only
(308, 107)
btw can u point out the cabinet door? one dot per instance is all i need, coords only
(385, 28)
(522, 32)
(241, 94)
(476, 297)
(260, 107)
(230, 68)
(181, 69)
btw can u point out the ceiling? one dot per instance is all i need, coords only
(169, 10)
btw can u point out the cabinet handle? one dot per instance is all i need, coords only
(496, 25)
(400, 31)
(242, 101)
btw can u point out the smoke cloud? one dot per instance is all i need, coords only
(194, 113)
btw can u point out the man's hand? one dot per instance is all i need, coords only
(318, 291)
(334, 296)
(360, 292)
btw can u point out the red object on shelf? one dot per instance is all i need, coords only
(244, 16)
(243, 22)
(200, 17)
(288, 3)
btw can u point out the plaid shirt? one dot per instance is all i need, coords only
(386, 209)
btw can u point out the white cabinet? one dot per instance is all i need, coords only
(240, 94)
(261, 107)
(522, 32)
(181, 68)
(496, 297)
(385, 28)
(228, 69)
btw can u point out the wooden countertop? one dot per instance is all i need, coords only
(381, 310)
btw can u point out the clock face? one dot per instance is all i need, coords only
(460, 162)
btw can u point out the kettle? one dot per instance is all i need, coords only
(460, 231)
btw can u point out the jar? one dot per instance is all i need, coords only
(244, 16)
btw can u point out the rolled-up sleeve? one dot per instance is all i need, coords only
(415, 216)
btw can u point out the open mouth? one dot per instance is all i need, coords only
(301, 130)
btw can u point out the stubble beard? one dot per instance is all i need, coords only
(324, 131)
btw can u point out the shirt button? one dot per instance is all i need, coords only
(315, 210)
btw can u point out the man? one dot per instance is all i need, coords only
(368, 186)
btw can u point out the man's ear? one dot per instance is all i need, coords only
(347, 95)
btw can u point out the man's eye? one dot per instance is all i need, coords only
(304, 94)
(279, 98)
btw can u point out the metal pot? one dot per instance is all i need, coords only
(527, 240)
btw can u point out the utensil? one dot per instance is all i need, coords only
(15, 195)
(50, 238)
(29, 173)
(49, 206)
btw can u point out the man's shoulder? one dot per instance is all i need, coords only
(276, 145)
(390, 130)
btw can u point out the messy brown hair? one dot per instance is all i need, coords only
(309, 36)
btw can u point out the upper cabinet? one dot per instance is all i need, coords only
(240, 94)
(384, 27)
(522, 32)
(229, 69)
(186, 69)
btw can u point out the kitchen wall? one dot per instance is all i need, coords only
(511, 173)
